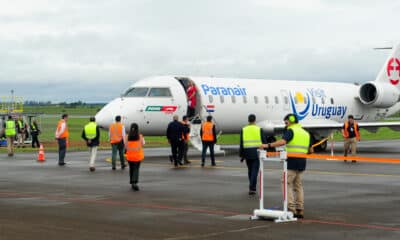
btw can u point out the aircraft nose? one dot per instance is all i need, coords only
(107, 114)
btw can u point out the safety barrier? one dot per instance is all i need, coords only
(337, 158)
(277, 215)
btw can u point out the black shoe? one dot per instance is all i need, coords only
(123, 167)
(299, 214)
(176, 164)
(180, 163)
(213, 164)
(92, 169)
(171, 159)
(202, 164)
(251, 192)
(113, 168)
(61, 164)
(188, 162)
(353, 161)
(135, 187)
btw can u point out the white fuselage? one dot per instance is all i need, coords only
(230, 101)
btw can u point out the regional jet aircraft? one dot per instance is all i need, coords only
(320, 106)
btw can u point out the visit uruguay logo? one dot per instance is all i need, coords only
(303, 104)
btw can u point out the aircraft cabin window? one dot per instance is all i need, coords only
(255, 99)
(210, 98)
(136, 92)
(266, 99)
(276, 100)
(233, 99)
(244, 99)
(160, 92)
(286, 100)
(332, 102)
(221, 98)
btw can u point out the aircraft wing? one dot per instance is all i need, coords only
(328, 126)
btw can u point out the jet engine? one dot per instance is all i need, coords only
(376, 94)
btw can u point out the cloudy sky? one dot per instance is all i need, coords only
(91, 50)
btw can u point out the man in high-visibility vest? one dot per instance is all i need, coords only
(62, 135)
(208, 138)
(351, 135)
(10, 135)
(35, 131)
(251, 137)
(21, 132)
(117, 136)
(91, 134)
(297, 140)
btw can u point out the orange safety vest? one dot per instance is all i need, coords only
(345, 131)
(207, 129)
(65, 134)
(134, 150)
(116, 132)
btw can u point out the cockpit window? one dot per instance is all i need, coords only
(160, 92)
(136, 92)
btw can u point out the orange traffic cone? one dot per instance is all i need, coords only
(41, 157)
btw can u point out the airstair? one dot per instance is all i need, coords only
(195, 137)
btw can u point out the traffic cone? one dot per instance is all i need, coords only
(41, 157)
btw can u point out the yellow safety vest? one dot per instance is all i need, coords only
(90, 130)
(300, 141)
(251, 136)
(10, 128)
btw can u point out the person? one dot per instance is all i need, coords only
(174, 136)
(117, 135)
(185, 137)
(62, 135)
(191, 96)
(21, 130)
(351, 135)
(134, 154)
(91, 134)
(297, 140)
(10, 135)
(208, 138)
(251, 137)
(35, 131)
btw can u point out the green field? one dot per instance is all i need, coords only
(79, 116)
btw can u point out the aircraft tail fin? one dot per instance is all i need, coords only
(390, 72)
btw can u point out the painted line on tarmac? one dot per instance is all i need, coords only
(275, 170)
(192, 210)
(344, 224)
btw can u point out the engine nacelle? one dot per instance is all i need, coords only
(377, 94)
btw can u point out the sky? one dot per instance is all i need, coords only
(93, 50)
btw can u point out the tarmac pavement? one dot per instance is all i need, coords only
(342, 200)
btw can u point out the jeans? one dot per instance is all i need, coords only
(253, 166)
(208, 144)
(117, 147)
(62, 149)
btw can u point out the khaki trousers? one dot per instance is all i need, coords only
(352, 144)
(295, 194)
(10, 145)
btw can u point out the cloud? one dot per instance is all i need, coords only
(58, 50)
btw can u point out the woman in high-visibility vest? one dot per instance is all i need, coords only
(134, 154)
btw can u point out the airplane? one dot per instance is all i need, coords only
(321, 107)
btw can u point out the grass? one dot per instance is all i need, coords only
(79, 116)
